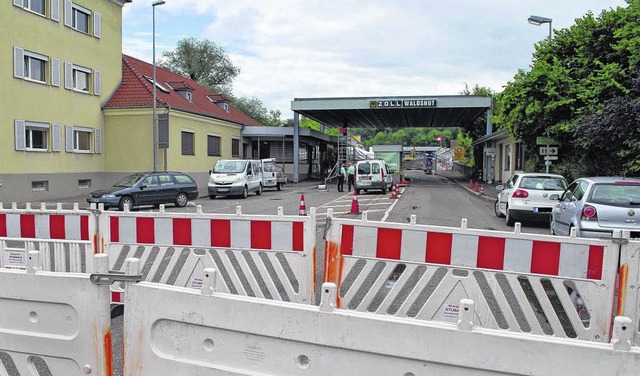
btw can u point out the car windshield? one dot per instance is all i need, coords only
(271, 167)
(234, 167)
(616, 194)
(364, 168)
(543, 183)
(129, 181)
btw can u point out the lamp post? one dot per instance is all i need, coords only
(538, 20)
(155, 120)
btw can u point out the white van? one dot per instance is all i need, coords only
(372, 174)
(272, 175)
(235, 177)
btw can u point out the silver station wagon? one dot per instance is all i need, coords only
(597, 206)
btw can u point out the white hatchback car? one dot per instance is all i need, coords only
(526, 197)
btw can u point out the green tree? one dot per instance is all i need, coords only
(255, 109)
(202, 61)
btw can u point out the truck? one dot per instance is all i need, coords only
(272, 174)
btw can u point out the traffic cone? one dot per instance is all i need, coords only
(482, 190)
(355, 208)
(476, 186)
(394, 191)
(470, 183)
(303, 207)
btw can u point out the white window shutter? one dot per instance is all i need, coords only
(19, 129)
(68, 138)
(55, 72)
(55, 10)
(97, 82)
(17, 3)
(18, 62)
(97, 25)
(97, 141)
(68, 11)
(55, 137)
(68, 75)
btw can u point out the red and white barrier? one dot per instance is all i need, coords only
(275, 253)
(46, 224)
(628, 295)
(521, 282)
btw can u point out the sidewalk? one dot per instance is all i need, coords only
(490, 191)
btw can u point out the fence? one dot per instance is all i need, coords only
(563, 287)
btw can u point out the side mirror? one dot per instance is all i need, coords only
(554, 197)
(142, 187)
(499, 187)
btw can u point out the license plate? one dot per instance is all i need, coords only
(364, 182)
(223, 190)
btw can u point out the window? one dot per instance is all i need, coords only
(80, 18)
(224, 106)
(165, 180)
(35, 67)
(183, 179)
(507, 157)
(188, 143)
(235, 147)
(81, 79)
(36, 136)
(40, 186)
(158, 85)
(149, 181)
(213, 146)
(36, 6)
(84, 183)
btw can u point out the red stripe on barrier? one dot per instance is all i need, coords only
(220, 233)
(389, 243)
(3, 225)
(56, 227)
(439, 248)
(182, 231)
(114, 227)
(346, 240)
(545, 257)
(84, 227)
(261, 234)
(145, 230)
(27, 225)
(298, 236)
(596, 258)
(490, 253)
(116, 297)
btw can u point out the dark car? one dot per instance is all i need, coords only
(148, 188)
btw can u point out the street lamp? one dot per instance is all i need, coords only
(155, 120)
(537, 20)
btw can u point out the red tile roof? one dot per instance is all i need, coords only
(137, 91)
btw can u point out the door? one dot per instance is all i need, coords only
(569, 206)
(504, 194)
(148, 191)
(168, 189)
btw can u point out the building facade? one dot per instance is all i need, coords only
(62, 59)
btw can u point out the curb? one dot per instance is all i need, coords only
(470, 190)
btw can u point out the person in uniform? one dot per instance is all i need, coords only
(351, 174)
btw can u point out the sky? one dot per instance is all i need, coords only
(290, 49)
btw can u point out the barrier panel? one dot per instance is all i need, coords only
(629, 283)
(555, 286)
(54, 323)
(55, 255)
(207, 332)
(271, 257)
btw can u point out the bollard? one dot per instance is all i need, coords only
(476, 186)
(470, 183)
(482, 190)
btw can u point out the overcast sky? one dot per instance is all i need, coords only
(310, 48)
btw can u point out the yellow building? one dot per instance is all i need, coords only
(62, 64)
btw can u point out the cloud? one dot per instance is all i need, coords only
(312, 48)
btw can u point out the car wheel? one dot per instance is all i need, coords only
(384, 190)
(509, 219)
(126, 201)
(279, 186)
(245, 192)
(259, 191)
(211, 197)
(181, 200)
(496, 208)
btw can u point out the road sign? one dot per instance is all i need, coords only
(550, 157)
(490, 152)
(549, 150)
(546, 141)
(458, 154)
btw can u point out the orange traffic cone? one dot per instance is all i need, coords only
(476, 186)
(355, 208)
(303, 207)
(394, 191)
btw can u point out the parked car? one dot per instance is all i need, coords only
(235, 177)
(595, 206)
(272, 174)
(526, 197)
(372, 174)
(148, 188)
